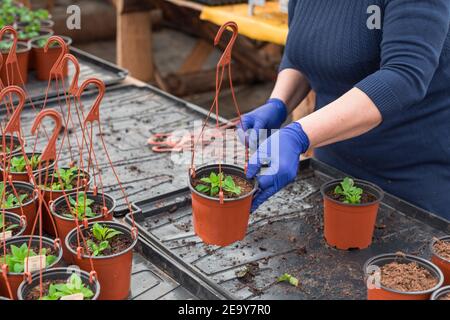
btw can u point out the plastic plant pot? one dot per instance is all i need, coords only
(16, 75)
(15, 279)
(65, 224)
(23, 176)
(441, 262)
(44, 61)
(7, 153)
(15, 219)
(57, 274)
(218, 223)
(47, 24)
(114, 272)
(51, 195)
(438, 294)
(44, 32)
(350, 226)
(384, 293)
(29, 208)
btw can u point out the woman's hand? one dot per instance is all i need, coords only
(269, 116)
(282, 151)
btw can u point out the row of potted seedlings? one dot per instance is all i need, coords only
(37, 197)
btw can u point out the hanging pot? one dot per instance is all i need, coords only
(16, 147)
(15, 74)
(14, 219)
(350, 226)
(23, 176)
(441, 262)
(441, 293)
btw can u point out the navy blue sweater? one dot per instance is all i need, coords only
(404, 67)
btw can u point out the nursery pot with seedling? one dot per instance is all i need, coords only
(5, 149)
(10, 74)
(223, 223)
(14, 226)
(440, 249)
(350, 225)
(44, 61)
(29, 202)
(401, 277)
(112, 264)
(65, 216)
(51, 194)
(18, 169)
(81, 286)
(18, 247)
(441, 294)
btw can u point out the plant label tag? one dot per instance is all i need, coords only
(35, 263)
(5, 235)
(75, 296)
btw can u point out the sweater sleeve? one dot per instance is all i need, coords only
(414, 33)
(286, 63)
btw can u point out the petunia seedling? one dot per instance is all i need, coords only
(19, 164)
(102, 234)
(81, 207)
(8, 228)
(212, 184)
(8, 199)
(73, 286)
(351, 193)
(16, 258)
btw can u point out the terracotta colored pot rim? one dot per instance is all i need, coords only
(365, 185)
(111, 224)
(29, 154)
(440, 292)
(25, 239)
(24, 185)
(445, 239)
(227, 169)
(391, 257)
(33, 41)
(15, 218)
(89, 193)
(62, 272)
(22, 47)
(89, 180)
(15, 151)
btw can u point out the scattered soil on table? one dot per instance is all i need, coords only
(117, 244)
(63, 210)
(35, 293)
(407, 277)
(246, 186)
(445, 297)
(365, 197)
(442, 249)
(248, 273)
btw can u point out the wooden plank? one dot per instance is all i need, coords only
(187, 4)
(197, 57)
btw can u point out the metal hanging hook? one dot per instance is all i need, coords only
(225, 59)
(94, 113)
(13, 124)
(49, 152)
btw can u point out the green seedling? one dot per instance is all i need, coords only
(5, 45)
(16, 258)
(102, 234)
(212, 184)
(288, 278)
(351, 193)
(9, 228)
(8, 200)
(81, 208)
(64, 178)
(74, 285)
(18, 164)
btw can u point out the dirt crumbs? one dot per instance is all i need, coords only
(35, 293)
(407, 277)
(445, 297)
(246, 186)
(365, 197)
(248, 273)
(442, 249)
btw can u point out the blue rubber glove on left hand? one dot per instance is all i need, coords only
(282, 151)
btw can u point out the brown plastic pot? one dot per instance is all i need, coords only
(216, 223)
(442, 263)
(23, 176)
(16, 142)
(56, 274)
(440, 292)
(350, 226)
(15, 279)
(51, 195)
(384, 293)
(29, 208)
(64, 224)
(45, 32)
(15, 219)
(114, 272)
(16, 75)
(44, 61)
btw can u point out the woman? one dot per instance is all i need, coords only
(383, 98)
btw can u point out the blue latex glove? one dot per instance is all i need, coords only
(269, 116)
(283, 150)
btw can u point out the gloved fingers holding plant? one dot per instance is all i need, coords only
(281, 151)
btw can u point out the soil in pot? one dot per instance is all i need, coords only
(18, 166)
(14, 75)
(350, 212)
(407, 277)
(12, 223)
(112, 260)
(440, 249)
(219, 223)
(44, 61)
